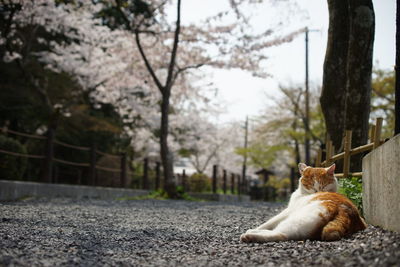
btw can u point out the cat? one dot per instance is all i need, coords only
(315, 211)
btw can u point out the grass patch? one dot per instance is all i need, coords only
(162, 195)
(352, 188)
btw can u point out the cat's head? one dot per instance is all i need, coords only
(317, 179)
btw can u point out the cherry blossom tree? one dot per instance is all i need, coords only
(147, 67)
(230, 42)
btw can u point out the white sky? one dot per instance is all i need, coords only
(246, 95)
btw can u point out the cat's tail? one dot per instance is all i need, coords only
(345, 222)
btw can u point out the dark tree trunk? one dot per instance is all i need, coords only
(165, 90)
(359, 70)
(166, 157)
(335, 73)
(346, 89)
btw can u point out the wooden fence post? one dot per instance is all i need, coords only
(49, 157)
(347, 148)
(184, 179)
(145, 182)
(158, 174)
(319, 158)
(245, 184)
(377, 135)
(123, 170)
(224, 181)
(232, 183)
(372, 134)
(214, 179)
(238, 184)
(92, 171)
(55, 177)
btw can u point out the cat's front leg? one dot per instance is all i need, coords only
(274, 221)
(261, 236)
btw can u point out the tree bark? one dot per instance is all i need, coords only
(165, 90)
(335, 74)
(166, 156)
(359, 71)
(346, 90)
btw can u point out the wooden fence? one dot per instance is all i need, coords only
(236, 183)
(49, 160)
(49, 173)
(348, 151)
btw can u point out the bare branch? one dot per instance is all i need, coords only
(147, 63)
(181, 70)
(169, 81)
(295, 104)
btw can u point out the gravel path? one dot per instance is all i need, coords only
(40, 232)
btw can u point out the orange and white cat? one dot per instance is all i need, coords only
(315, 211)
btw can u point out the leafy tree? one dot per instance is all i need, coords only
(105, 66)
(35, 96)
(12, 167)
(383, 99)
(260, 155)
(143, 20)
(283, 128)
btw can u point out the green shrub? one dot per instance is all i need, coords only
(352, 188)
(12, 167)
(199, 182)
(162, 195)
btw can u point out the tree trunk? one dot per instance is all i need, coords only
(166, 157)
(346, 89)
(359, 70)
(335, 73)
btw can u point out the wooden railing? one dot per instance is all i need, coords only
(348, 151)
(49, 158)
(220, 180)
(236, 183)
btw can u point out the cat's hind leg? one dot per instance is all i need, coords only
(346, 221)
(305, 223)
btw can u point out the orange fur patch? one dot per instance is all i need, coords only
(312, 175)
(342, 217)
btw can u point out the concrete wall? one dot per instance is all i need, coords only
(381, 185)
(11, 190)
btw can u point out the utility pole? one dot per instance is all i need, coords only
(246, 131)
(307, 104)
(307, 115)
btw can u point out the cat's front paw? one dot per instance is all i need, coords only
(246, 238)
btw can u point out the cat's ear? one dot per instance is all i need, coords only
(302, 167)
(331, 170)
